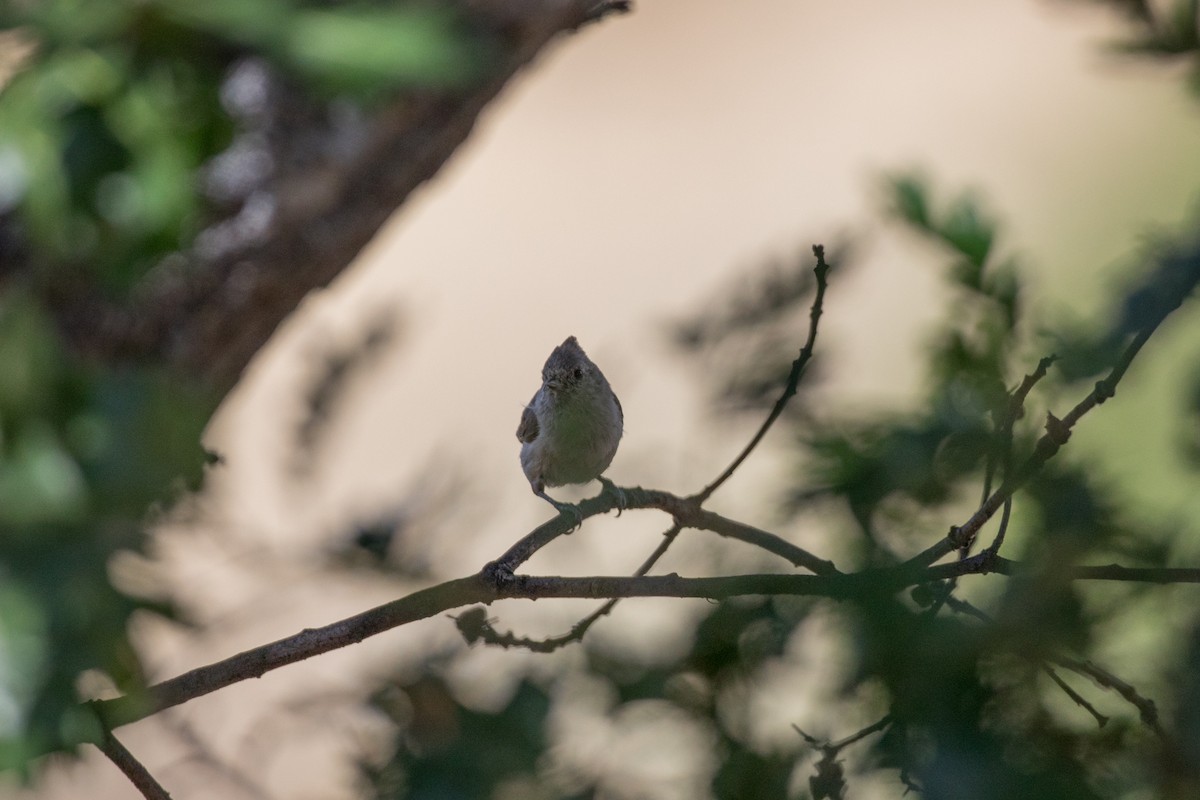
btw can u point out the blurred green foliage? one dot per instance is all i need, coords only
(447, 750)
(119, 106)
(84, 453)
(1166, 30)
(106, 123)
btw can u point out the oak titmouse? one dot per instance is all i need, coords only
(570, 430)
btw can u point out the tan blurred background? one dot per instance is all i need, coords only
(621, 183)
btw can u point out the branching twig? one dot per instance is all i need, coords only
(484, 630)
(476, 589)
(1147, 710)
(732, 529)
(1005, 515)
(1058, 431)
(1004, 438)
(829, 781)
(841, 744)
(793, 379)
(1145, 706)
(137, 773)
(1014, 412)
(983, 563)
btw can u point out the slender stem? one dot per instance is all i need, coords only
(732, 529)
(865, 732)
(793, 379)
(1075, 696)
(548, 645)
(137, 773)
(1005, 515)
(1147, 710)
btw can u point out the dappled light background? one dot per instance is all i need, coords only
(639, 174)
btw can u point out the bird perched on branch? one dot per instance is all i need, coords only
(570, 430)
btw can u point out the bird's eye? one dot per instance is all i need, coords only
(578, 373)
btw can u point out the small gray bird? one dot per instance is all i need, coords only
(570, 430)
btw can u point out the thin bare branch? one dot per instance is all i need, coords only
(793, 379)
(732, 529)
(491, 636)
(137, 773)
(1014, 412)
(865, 732)
(1001, 456)
(1145, 706)
(1005, 516)
(1075, 696)
(1147, 710)
(985, 563)
(830, 779)
(258, 661)
(686, 514)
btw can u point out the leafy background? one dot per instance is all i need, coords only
(111, 131)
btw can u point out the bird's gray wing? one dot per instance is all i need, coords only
(620, 411)
(528, 430)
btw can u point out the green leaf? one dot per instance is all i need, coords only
(910, 199)
(363, 47)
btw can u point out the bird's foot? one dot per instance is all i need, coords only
(617, 493)
(569, 509)
(572, 511)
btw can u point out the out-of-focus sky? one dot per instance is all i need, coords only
(632, 173)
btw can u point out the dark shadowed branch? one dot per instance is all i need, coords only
(1147, 710)
(209, 308)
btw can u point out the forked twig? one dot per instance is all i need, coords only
(1058, 431)
(478, 626)
(1147, 710)
(1004, 435)
(830, 780)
